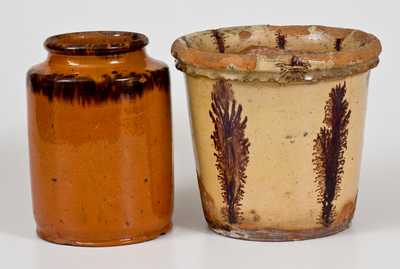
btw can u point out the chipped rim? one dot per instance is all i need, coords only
(282, 54)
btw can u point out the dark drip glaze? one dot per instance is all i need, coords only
(85, 90)
(338, 44)
(280, 40)
(219, 39)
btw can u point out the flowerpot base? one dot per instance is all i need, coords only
(274, 235)
(107, 243)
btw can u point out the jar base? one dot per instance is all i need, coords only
(275, 235)
(108, 243)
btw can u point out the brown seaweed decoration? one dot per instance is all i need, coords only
(295, 70)
(231, 147)
(219, 40)
(280, 40)
(338, 44)
(328, 156)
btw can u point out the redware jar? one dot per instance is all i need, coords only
(100, 140)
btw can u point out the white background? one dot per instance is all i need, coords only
(372, 242)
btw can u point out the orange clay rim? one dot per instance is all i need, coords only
(282, 54)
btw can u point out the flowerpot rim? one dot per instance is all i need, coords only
(280, 54)
(97, 43)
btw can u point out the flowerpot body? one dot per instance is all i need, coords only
(100, 141)
(278, 151)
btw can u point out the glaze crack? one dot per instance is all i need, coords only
(295, 70)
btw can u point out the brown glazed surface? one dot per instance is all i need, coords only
(100, 141)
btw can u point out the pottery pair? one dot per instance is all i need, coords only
(277, 115)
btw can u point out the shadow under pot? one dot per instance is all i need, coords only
(100, 140)
(277, 116)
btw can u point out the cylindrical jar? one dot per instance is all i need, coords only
(100, 142)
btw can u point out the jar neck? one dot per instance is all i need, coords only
(138, 58)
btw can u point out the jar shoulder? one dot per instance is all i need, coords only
(153, 64)
(97, 84)
(113, 66)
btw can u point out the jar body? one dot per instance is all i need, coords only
(100, 148)
(278, 163)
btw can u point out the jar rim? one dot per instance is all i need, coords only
(283, 54)
(97, 43)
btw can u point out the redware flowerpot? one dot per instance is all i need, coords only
(100, 140)
(277, 115)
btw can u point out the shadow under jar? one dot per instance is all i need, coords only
(277, 115)
(100, 142)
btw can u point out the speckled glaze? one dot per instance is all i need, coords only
(277, 115)
(100, 140)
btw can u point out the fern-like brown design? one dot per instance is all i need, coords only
(329, 148)
(231, 147)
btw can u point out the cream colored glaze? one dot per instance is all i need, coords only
(283, 121)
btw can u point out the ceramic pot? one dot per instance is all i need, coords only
(100, 140)
(277, 115)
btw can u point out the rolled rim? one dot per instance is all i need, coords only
(95, 43)
(283, 54)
